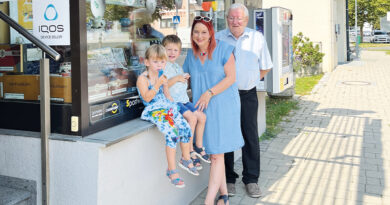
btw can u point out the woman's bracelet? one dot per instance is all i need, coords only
(155, 90)
(211, 92)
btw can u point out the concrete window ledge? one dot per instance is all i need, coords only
(125, 164)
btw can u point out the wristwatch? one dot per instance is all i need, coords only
(211, 92)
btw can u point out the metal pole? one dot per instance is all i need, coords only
(188, 14)
(45, 126)
(30, 37)
(347, 35)
(356, 37)
(177, 14)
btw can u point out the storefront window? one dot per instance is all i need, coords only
(20, 60)
(104, 93)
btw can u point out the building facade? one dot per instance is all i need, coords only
(324, 22)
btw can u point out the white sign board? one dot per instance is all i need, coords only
(51, 21)
(388, 16)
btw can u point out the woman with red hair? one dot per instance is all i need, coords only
(212, 69)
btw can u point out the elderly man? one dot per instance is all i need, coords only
(252, 63)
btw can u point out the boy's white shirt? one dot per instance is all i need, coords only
(178, 91)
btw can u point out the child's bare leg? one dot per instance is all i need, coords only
(185, 150)
(171, 155)
(192, 120)
(201, 121)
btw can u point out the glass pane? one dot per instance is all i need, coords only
(20, 60)
(118, 34)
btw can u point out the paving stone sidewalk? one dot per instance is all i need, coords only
(336, 148)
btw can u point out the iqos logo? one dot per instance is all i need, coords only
(51, 14)
(52, 11)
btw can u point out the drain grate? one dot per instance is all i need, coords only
(362, 83)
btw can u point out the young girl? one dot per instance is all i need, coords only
(163, 112)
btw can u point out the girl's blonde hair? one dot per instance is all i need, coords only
(156, 51)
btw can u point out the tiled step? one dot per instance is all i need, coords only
(9, 196)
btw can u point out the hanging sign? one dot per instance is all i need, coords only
(51, 21)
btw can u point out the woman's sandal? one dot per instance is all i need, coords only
(196, 161)
(204, 157)
(177, 182)
(224, 197)
(185, 165)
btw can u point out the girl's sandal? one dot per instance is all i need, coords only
(196, 161)
(185, 165)
(204, 157)
(177, 182)
(224, 197)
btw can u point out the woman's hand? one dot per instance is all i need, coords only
(203, 101)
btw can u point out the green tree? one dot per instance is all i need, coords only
(305, 53)
(368, 11)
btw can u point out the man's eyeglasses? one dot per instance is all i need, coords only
(204, 18)
(229, 18)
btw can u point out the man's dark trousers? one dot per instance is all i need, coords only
(251, 149)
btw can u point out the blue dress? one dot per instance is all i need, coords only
(165, 115)
(223, 129)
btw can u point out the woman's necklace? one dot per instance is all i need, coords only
(203, 53)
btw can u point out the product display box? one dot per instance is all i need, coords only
(21, 87)
(26, 87)
(61, 89)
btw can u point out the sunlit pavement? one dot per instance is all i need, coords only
(336, 148)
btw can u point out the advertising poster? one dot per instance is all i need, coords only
(51, 21)
(21, 11)
(25, 14)
(259, 19)
(259, 26)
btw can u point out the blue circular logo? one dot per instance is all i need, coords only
(51, 8)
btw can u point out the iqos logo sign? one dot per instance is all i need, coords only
(51, 14)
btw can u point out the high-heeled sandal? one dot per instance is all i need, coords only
(224, 197)
(176, 181)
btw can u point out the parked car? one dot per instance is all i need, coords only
(380, 37)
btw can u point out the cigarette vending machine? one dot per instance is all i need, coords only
(276, 25)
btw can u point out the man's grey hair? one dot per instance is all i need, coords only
(239, 6)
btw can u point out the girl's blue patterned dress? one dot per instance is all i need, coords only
(165, 115)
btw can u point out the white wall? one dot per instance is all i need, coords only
(73, 167)
(133, 172)
(342, 37)
(316, 19)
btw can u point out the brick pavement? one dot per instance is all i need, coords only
(335, 149)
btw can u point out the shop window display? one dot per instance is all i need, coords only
(118, 33)
(19, 60)
(97, 84)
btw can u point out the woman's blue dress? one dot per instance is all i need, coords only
(223, 130)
